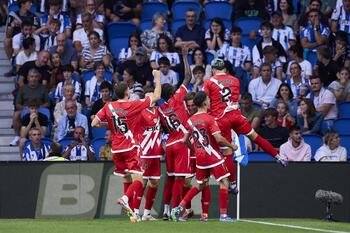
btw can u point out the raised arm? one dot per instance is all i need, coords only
(158, 88)
(188, 74)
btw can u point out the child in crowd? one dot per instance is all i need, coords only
(68, 79)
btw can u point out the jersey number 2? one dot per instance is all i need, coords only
(226, 94)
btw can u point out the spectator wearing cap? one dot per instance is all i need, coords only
(66, 51)
(315, 33)
(80, 36)
(324, 100)
(149, 38)
(68, 123)
(54, 12)
(265, 87)
(190, 35)
(266, 34)
(282, 33)
(295, 149)
(269, 56)
(141, 66)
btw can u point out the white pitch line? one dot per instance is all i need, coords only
(292, 226)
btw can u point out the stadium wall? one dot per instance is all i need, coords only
(88, 190)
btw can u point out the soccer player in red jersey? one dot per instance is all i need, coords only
(223, 91)
(121, 116)
(209, 161)
(149, 133)
(174, 115)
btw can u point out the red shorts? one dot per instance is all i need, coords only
(219, 172)
(236, 121)
(177, 157)
(127, 162)
(151, 168)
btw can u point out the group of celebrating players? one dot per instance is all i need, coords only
(199, 143)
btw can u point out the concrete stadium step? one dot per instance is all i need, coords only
(3, 56)
(6, 114)
(5, 104)
(9, 149)
(7, 131)
(5, 123)
(5, 140)
(6, 88)
(5, 62)
(9, 156)
(6, 96)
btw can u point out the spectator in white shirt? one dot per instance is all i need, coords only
(265, 87)
(166, 74)
(296, 53)
(26, 31)
(98, 19)
(27, 54)
(331, 151)
(324, 101)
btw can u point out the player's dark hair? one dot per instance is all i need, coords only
(120, 89)
(105, 85)
(247, 96)
(199, 98)
(189, 96)
(167, 91)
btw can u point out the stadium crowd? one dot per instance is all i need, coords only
(293, 67)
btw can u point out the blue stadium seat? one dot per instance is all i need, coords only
(14, 7)
(344, 109)
(345, 142)
(260, 156)
(248, 24)
(295, 6)
(310, 56)
(210, 57)
(118, 36)
(227, 23)
(218, 9)
(248, 42)
(96, 144)
(147, 24)
(179, 9)
(98, 132)
(342, 126)
(176, 24)
(65, 142)
(150, 8)
(315, 141)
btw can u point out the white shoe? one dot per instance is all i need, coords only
(15, 141)
(148, 218)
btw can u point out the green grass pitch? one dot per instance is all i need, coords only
(122, 225)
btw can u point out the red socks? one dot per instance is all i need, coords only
(136, 201)
(231, 167)
(168, 189)
(223, 196)
(185, 190)
(126, 186)
(134, 188)
(150, 196)
(265, 145)
(177, 191)
(206, 196)
(189, 196)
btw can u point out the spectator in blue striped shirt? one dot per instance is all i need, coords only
(315, 33)
(341, 18)
(35, 150)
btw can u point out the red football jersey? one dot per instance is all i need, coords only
(203, 126)
(174, 115)
(122, 119)
(149, 133)
(223, 91)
